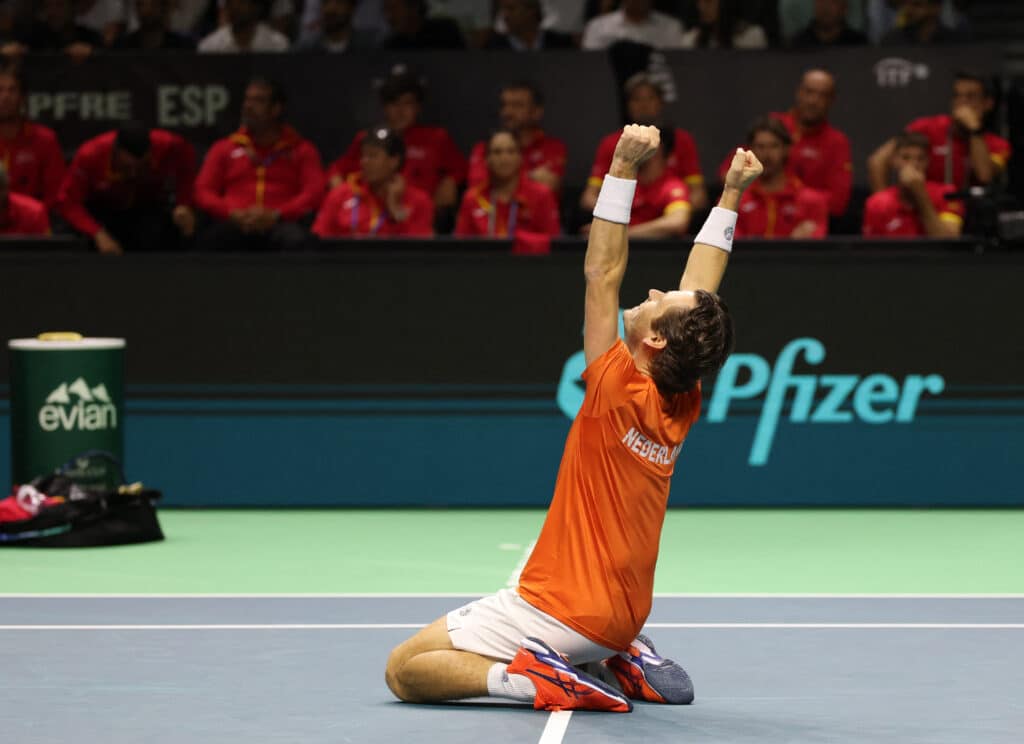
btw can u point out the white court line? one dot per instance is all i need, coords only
(555, 728)
(513, 578)
(389, 626)
(460, 595)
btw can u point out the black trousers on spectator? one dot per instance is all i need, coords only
(228, 236)
(141, 229)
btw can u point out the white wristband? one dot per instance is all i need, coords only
(718, 229)
(615, 200)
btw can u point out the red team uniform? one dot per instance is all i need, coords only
(286, 176)
(352, 210)
(430, 155)
(35, 163)
(24, 216)
(532, 210)
(886, 215)
(949, 160)
(682, 163)
(659, 197)
(543, 150)
(775, 215)
(91, 183)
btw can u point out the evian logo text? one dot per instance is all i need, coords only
(77, 407)
(895, 72)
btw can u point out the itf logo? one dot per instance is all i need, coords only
(92, 409)
(816, 399)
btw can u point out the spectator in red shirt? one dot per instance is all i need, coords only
(521, 111)
(914, 207)
(30, 151)
(645, 102)
(778, 205)
(120, 184)
(262, 181)
(20, 214)
(377, 201)
(963, 154)
(507, 203)
(432, 161)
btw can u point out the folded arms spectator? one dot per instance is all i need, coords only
(914, 207)
(523, 29)
(636, 21)
(411, 28)
(154, 32)
(33, 158)
(245, 30)
(20, 214)
(521, 111)
(378, 200)
(261, 181)
(120, 185)
(778, 205)
(335, 32)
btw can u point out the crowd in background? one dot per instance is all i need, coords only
(266, 187)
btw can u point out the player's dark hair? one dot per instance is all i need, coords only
(534, 90)
(974, 76)
(399, 82)
(133, 138)
(912, 139)
(698, 341)
(387, 140)
(640, 80)
(276, 90)
(771, 125)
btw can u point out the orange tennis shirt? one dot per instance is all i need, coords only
(593, 565)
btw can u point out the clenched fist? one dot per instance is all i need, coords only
(745, 167)
(636, 144)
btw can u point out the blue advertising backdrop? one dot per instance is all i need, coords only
(862, 375)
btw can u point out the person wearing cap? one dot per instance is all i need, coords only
(433, 162)
(261, 182)
(120, 187)
(20, 214)
(645, 103)
(377, 201)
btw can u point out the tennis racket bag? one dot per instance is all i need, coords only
(84, 503)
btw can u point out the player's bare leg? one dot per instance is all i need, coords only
(428, 669)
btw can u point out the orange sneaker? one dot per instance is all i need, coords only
(561, 686)
(646, 676)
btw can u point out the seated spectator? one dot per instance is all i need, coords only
(335, 32)
(433, 163)
(829, 27)
(34, 161)
(245, 30)
(376, 201)
(505, 204)
(636, 21)
(55, 30)
(106, 17)
(914, 207)
(412, 29)
(963, 154)
(120, 185)
(645, 103)
(261, 181)
(921, 23)
(154, 33)
(521, 111)
(522, 20)
(778, 205)
(189, 18)
(20, 214)
(720, 25)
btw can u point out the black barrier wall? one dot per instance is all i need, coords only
(714, 94)
(861, 376)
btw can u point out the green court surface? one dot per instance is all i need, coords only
(476, 551)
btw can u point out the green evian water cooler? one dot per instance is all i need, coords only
(67, 397)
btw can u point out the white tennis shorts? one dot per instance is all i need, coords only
(495, 626)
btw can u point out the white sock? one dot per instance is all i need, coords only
(516, 686)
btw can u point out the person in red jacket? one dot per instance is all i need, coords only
(261, 181)
(778, 205)
(914, 207)
(377, 201)
(508, 204)
(645, 102)
(20, 214)
(30, 151)
(521, 111)
(963, 154)
(433, 162)
(119, 187)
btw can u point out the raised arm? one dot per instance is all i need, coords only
(607, 247)
(710, 253)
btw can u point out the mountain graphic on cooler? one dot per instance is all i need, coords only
(74, 406)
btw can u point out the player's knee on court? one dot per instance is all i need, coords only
(396, 659)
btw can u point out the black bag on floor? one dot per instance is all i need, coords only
(85, 503)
